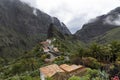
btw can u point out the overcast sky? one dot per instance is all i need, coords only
(74, 13)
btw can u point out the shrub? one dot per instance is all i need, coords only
(26, 78)
(74, 78)
(49, 78)
(91, 62)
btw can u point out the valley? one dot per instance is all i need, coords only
(37, 46)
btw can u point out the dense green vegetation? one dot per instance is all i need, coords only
(25, 66)
(92, 75)
(104, 57)
(98, 57)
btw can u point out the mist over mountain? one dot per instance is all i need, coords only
(22, 27)
(99, 26)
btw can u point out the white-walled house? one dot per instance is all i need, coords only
(49, 41)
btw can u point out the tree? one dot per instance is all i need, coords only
(81, 53)
(49, 78)
(115, 49)
(91, 62)
(105, 53)
(95, 50)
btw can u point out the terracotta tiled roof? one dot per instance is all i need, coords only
(50, 70)
(71, 68)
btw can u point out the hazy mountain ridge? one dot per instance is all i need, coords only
(99, 26)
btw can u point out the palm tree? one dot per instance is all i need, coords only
(95, 50)
(115, 49)
(80, 53)
(106, 54)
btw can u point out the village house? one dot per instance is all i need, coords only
(47, 46)
(46, 49)
(71, 70)
(50, 49)
(49, 71)
(45, 43)
(62, 72)
(55, 49)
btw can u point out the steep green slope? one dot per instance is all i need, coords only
(112, 35)
(13, 43)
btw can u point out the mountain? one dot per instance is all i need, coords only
(22, 27)
(99, 26)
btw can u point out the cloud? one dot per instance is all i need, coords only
(113, 20)
(74, 13)
(75, 23)
(35, 12)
